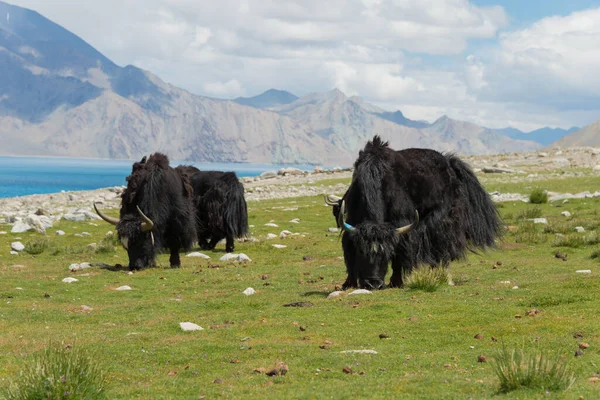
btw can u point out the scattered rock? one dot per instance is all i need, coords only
(249, 291)
(271, 236)
(584, 271)
(268, 174)
(125, 287)
(347, 370)
(198, 254)
(272, 225)
(78, 267)
(579, 229)
(285, 234)
(60, 233)
(17, 246)
(70, 280)
(86, 309)
(235, 257)
(92, 247)
(565, 214)
(190, 326)
(14, 253)
(334, 294)
(583, 345)
(279, 246)
(295, 221)
(578, 353)
(561, 255)
(359, 351)
(540, 221)
(360, 291)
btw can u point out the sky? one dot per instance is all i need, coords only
(520, 63)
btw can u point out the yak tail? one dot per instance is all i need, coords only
(483, 221)
(236, 212)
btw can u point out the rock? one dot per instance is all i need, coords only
(272, 225)
(359, 351)
(565, 214)
(596, 168)
(3, 232)
(79, 267)
(268, 174)
(249, 291)
(332, 230)
(70, 280)
(295, 221)
(125, 287)
(332, 295)
(360, 291)
(583, 271)
(284, 234)
(579, 229)
(279, 246)
(290, 171)
(60, 233)
(17, 246)
(190, 326)
(92, 247)
(86, 234)
(271, 236)
(228, 257)
(21, 227)
(86, 309)
(109, 234)
(539, 221)
(75, 217)
(14, 253)
(481, 358)
(198, 254)
(243, 258)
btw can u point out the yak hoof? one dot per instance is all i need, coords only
(175, 265)
(350, 283)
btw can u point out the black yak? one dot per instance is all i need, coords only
(221, 210)
(411, 207)
(157, 211)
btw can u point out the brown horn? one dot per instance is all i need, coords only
(147, 223)
(409, 227)
(110, 220)
(331, 200)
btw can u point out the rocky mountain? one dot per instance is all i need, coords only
(61, 97)
(268, 99)
(543, 136)
(586, 136)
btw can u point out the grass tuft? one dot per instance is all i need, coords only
(106, 245)
(57, 372)
(517, 369)
(530, 212)
(427, 279)
(36, 246)
(538, 196)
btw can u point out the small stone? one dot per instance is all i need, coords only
(272, 225)
(17, 246)
(306, 258)
(243, 258)
(279, 246)
(384, 336)
(86, 309)
(565, 214)
(92, 247)
(198, 254)
(250, 291)
(332, 230)
(271, 236)
(515, 287)
(578, 335)
(360, 291)
(359, 351)
(479, 336)
(302, 328)
(125, 287)
(334, 294)
(69, 280)
(14, 253)
(347, 370)
(264, 277)
(218, 381)
(481, 358)
(540, 221)
(60, 233)
(295, 221)
(584, 271)
(86, 234)
(579, 229)
(190, 326)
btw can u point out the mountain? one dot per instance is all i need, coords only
(61, 97)
(586, 136)
(268, 99)
(543, 136)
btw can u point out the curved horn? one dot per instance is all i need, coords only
(331, 199)
(341, 221)
(409, 227)
(110, 220)
(147, 223)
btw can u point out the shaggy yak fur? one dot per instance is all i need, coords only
(221, 210)
(455, 213)
(165, 197)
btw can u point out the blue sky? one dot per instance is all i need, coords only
(521, 63)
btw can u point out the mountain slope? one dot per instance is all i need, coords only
(543, 136)
(270, 98)
(586, 136)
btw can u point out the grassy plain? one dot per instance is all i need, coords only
(520, 296)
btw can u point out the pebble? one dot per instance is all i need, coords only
(14, 253)
(60, 233)
(198, 254)
(279, 246)
(584, 271)
(579, 229)
(125, 287)
(190, 326)
(17, 246)
(359, 351)
(360, 291)
(272, 225)
(565, 214)
(78, 267)
(337, 293)
(333, 230)
(540, 221)
(295, 221)
(249, 291)
(70, 280)
(271, 236)
(235, 257)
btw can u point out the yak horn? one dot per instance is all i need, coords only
(409, 227)
(147, 223)
(331, 200)
(110, 220)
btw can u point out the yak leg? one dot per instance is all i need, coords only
(399, 268)
(351, 282)
(229, 246)
(174, 259)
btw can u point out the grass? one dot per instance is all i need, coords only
(428, 336)
(57, 372)
(427, 279)
(36, 246)
(538, 196)
(518, 369)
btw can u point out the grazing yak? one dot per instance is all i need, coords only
(411, 207)
(157, 211)
(221, 210)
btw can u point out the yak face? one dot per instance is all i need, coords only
(139, 244)
(374, 245)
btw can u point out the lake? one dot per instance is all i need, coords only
(21, 176)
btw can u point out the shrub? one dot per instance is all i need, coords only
(427, 279)
(55, 373)
(528, 213)
(537, 370)
(36, 246)
(538, 196)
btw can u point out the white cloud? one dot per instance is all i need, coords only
(229, 89)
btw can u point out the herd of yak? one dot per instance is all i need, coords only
(410, 207)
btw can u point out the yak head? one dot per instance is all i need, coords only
(135, 232)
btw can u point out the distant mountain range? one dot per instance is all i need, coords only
(543, 136)
(586, 136)
(61, 97)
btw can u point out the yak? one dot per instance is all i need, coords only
(157, 211)
(411, 207)
(221, 210)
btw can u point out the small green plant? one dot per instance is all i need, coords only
(427, 279)
(528, 233)
(36, 246)
(517, 369)
(106, 245)
(528, 213)
(538, 196)
(57, 372)
(595, 254)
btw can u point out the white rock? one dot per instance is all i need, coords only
(69, 280)
(295, 221)
(360, 291)
(271, 236)
(565, 214)
(19, 288)
(584, 271)
(242, 257)
(228, 257)
(60, 233)
(190, 326)
(284, 234)
(20, 227)
(539, 220)
(272, 225)
(86, 234)
(79, 267)
(505, 282)
(3, 232)
(359, 351)
(579, 229)
(337, 293)
(75, 217)
(333, 230)
(279, 246)
(14, 253)
(198, 254)
(86, 308)
(249, 291)
(515, 287)
(268, 174)
(596, 168)
(125, 287)
(92, 247)
(109, 234)
(17, 246)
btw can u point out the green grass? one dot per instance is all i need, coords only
(538, 196)
(427, 279)
(430, 350)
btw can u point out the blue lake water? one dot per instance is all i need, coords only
(21, 176)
